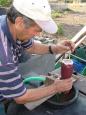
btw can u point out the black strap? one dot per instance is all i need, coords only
(50, 50)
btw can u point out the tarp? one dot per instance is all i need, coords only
(77, 108)
(39, 64)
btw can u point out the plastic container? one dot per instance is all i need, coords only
(59, 101)
(66, 68)
(78, 66)
(84, 71)
(34, 81)
(57, 65)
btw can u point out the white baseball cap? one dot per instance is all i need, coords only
(39, 11)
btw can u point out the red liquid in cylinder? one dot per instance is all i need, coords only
(66, 68)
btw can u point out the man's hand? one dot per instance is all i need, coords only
(63, 85)
(63, 47)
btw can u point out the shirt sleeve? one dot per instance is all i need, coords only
(11, 83)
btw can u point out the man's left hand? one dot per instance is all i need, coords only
(64, 46)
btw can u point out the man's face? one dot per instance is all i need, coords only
(24, 33)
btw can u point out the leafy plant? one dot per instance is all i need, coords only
(69, 1)
(60, 30)
(56, 14)
(5, 3)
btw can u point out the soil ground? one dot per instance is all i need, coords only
(72, 23)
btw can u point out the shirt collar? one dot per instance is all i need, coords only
(5, 28)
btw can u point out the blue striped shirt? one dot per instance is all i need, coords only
(11, 84)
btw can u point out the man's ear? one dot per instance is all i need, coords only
(19, 22)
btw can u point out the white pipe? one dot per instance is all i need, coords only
(79, 35)
(80, 41)
(77, 39)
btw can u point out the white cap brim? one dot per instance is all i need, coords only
(48, 26)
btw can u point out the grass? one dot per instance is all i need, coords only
(60, 30)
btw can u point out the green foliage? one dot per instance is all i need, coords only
(5, 3)
(68, 10)
(56, 14)
(69, 1)
(60, 30)
(83, 0)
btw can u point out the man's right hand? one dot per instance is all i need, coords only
(63, 85)
(41, 92)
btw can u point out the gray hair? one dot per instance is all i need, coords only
(28, 22)
(12, 14)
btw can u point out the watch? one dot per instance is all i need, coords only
(50, 50)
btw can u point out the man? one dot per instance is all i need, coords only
(24, 20)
